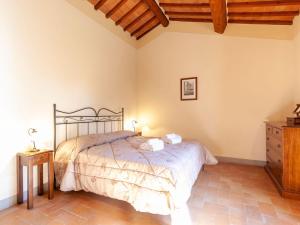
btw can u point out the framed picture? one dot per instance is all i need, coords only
(188, 88)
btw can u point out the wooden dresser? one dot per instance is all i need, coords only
(283, 158)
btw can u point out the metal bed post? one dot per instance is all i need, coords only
(54, 126)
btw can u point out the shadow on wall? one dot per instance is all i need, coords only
(282, 112)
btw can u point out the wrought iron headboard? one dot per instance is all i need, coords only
(88, 117)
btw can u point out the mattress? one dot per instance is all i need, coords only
(113, 165)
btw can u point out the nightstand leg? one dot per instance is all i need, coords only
(40, 180)
(30, 186)
(50, 177)
(19, 181)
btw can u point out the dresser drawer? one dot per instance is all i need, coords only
(275, 144)
(35, 159)
(269, 129)
(277, 133)
(274, 163)
(42, 158)
(269, 139)
(275, 157)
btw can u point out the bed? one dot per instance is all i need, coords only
(109, 162)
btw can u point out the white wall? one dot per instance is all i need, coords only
(50, 52)
(242, 83)
(297, 59)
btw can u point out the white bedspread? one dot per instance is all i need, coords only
(113, 165)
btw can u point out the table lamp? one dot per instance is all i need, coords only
(32, 134)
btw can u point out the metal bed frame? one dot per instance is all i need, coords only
(88, 117)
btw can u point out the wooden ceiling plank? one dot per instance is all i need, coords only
(185, 5)
(158, 12)
(219, 15)
(191, 20)
(115, 8)
(270, 22)
(129, 13)
(279, 13)
(143, 25)
(135, 21)
(276, 12)
(172, 13)
(99, 4)
(148, 31)
(263, 3)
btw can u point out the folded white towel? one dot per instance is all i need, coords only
(153, 144)
(172, 139)
(171, 135)
(153, 141)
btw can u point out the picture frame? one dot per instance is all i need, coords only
(188, 88)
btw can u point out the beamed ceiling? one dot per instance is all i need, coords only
(139, 17)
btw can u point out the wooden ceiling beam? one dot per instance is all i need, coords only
(146, 32)
(219, 15)
(270, 22)
(115, 8)
(143, 26)
(254, 14)
(185, 5)
(263, 3)
(129, 13)
(191, 20)
(99, 4)
(139, 18)
(158, 12)
(172, 13)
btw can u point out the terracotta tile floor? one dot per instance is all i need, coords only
(223, 194)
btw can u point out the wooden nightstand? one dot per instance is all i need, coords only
(30, 159)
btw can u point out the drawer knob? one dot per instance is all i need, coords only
(268, 150)
(279, 160)
(268, 138)
(277, 132)
(278, 146)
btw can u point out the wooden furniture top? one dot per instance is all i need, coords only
(30, 154)
(34, 157)
(280, 124)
